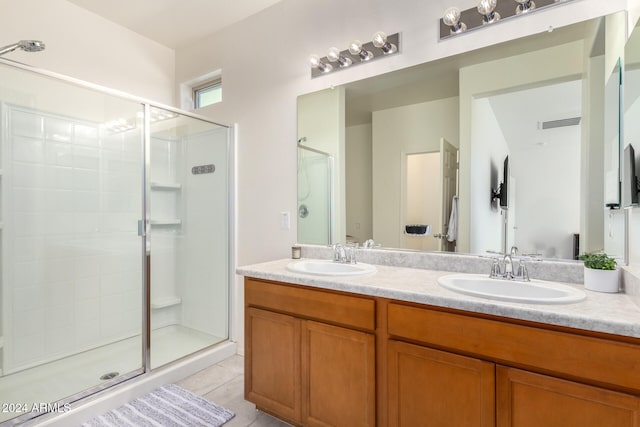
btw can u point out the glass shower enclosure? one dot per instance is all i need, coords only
(114, 237)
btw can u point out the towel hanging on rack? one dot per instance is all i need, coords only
(452, 230)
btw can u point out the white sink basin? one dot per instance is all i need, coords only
(533, 292)
(330, 268)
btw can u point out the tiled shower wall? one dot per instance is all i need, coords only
(71, 259)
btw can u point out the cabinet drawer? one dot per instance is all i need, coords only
(531, 400)
(596, 360)
(327, 306)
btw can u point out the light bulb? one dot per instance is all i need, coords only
(451, 18)
(524, 6)
(334, 56)
(380, 41)
(486, 9)
(355, 48)
(314, 61)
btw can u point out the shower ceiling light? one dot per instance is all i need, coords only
(455, 22)
(118, 125)
(357, 53)
(156, 115)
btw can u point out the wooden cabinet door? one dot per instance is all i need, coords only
(434, 388)
(272, 363)
(338, 376)
(525, 399)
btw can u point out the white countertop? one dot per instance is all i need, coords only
(601, 312)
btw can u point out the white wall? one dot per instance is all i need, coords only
(83, 45)
(411, 129)
(358, 153)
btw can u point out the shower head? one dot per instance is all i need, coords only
(26, 45)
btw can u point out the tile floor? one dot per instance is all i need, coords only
(223, 384)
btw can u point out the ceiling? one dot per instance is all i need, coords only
(174, 23)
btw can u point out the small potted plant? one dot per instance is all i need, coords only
(600, 272)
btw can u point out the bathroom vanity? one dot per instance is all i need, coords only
(396, 349)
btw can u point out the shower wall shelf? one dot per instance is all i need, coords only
(167, 221)
(165, 302)
(166, 186)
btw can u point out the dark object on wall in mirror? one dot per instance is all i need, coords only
(502, 192)
(630, 181)
(417, 229)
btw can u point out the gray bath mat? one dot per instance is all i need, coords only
(166, 406)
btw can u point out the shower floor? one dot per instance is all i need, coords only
(62, 378)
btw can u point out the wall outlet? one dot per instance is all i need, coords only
(285, 220)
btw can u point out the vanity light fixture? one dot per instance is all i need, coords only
(317, 64)
(380, 41)
(487, 8)
(357, 53)
(455, 22)
(355, 48)
(451, 19)
(524, 6)
(334, 55)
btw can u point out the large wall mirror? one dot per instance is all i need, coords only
(503, 147)
(631, 146)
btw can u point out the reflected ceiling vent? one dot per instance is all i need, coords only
(573, 121)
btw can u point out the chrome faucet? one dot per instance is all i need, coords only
(339, 253)
(496, 272)
(345, 253)
(508, 267)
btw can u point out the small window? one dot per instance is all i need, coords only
(207, 93)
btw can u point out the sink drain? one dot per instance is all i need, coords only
(109, 376)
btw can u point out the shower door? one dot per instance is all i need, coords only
(187, 235)
(315, 196)
(70, 197)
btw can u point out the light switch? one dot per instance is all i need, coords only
(285, 220)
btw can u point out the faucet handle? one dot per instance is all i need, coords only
(523, 273)
(495, 269)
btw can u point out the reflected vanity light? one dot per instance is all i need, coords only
(455, 22)
(357, 53)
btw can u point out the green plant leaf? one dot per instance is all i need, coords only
(598, 261)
